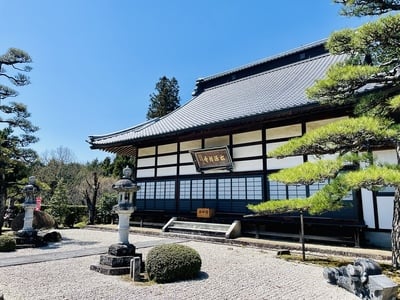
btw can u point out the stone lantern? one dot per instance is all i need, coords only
(30, 191)
(126, 188)
(120, 256)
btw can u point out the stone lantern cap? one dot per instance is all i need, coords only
(126, 184)
(30, 190)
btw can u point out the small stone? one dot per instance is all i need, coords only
(52, 237)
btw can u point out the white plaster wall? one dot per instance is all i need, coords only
(273, 146)
(385, 204)
(190, 145)
(145, 173)
(217, 141)
(247, 151)
(288, 162)
(385, 212)
(146, 162)
(167, 160)
(368, 208)
(283, 132)
(282, 163)
(215, 171)
(185, 158)
(187, 170)
(167, 171)
(146, 151)
(246, 137)
(387, 156)
(316, 124)
(167, 148)
(313, 158)
(248, 165)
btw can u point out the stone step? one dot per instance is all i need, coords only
(203, 228)
(109, 270)
(212, 227)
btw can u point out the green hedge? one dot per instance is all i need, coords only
(172, 262)
(76, 213)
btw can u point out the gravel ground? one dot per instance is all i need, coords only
(228, 272)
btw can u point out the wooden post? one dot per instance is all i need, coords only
(302, 236)
(135, 268)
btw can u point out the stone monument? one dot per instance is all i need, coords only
(364, 278)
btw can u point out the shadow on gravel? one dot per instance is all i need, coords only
(202, 276)
(66, 241)
(144, 280)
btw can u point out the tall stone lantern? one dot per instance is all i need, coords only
(30, 191)
(120, 255)
(126, 189)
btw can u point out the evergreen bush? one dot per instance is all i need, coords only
(105, 208)
(172, 262)
(7, 243)
(41, 220)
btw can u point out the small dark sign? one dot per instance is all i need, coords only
(212, 158)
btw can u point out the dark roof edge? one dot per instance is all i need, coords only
(138, 127)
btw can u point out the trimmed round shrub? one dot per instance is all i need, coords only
(172, 262)
(7, 243)
(41, 220)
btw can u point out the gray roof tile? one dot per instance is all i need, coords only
(273, 90)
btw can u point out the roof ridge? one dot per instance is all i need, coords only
(265, 72)
(264, 60)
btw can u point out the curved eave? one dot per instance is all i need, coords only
(129, 147)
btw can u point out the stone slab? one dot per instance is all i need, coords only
(115, 261)
(107, 270)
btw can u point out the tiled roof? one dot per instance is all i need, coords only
(257, 94)
(266, 60)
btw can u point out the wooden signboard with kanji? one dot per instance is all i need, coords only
(212, 158)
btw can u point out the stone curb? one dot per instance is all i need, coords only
(376, 254)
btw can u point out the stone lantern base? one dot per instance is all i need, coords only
(29, 239)
(118, 260)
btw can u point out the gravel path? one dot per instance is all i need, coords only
(228, 272)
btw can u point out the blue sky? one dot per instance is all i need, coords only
(95, 63)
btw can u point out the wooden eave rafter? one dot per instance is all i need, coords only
(124, 150)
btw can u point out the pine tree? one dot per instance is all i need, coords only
(16, 132)
(120, 162)
(165, 100)
(369, 81)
